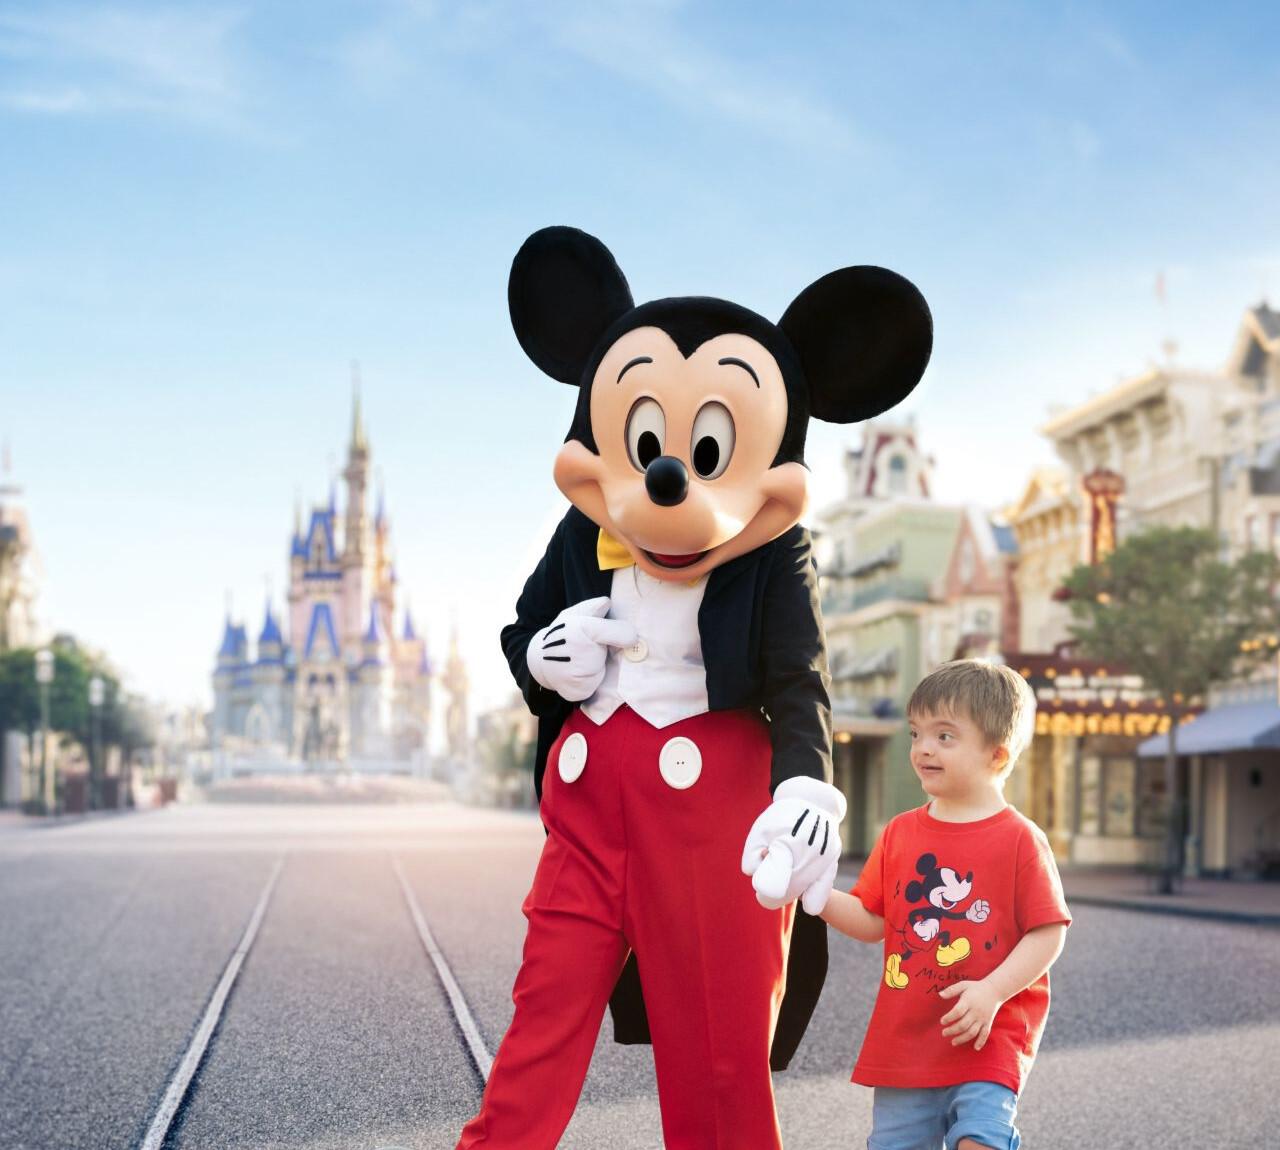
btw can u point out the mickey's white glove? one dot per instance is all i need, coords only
(926, 929)
(569, 656)
(979, 911)
(794, 847)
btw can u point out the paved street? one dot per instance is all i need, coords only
(338, 1032)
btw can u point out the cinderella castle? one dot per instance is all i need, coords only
(349, 681)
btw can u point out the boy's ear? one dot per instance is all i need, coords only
(864, 336)
(564, 291)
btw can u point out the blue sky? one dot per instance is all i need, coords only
(208, 211)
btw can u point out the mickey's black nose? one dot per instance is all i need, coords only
(667, 481)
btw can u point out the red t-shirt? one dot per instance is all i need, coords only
(956, 898)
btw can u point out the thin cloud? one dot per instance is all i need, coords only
(644, 45)
(119, 60)
(1116, 47)
(67, 101)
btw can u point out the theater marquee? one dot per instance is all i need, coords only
(1086, 697)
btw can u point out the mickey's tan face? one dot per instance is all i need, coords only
(718, 415)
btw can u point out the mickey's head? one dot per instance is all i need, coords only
(939, 886)
(687, 444)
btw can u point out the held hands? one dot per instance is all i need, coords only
(973, 1015)
(570, 655)
(793, 847)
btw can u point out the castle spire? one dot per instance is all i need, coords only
(7, 486)
(358, 440)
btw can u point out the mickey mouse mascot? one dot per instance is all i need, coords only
(671, 646)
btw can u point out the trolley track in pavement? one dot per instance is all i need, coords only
(180, 1084)
(466, 1023)
(184, 1083)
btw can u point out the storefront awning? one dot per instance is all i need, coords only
(1236, 727)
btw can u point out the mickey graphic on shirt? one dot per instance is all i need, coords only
(941, 890)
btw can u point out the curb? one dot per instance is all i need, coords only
(54, 822)
(1238, 917)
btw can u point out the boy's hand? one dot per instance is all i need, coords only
(973, 1015)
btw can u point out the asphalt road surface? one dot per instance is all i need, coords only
(338, 1032)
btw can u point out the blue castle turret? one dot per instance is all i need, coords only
(330, 679)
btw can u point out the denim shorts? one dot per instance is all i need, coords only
(931, 1118)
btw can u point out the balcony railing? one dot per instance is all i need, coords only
(912, 590)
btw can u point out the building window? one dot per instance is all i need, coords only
(1119, 792)
(1108, 796)
(1090, 788)
(898, 475)
(1152, 811)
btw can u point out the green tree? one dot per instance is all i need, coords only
(19, 698)
(122, 719)
(1165, 606)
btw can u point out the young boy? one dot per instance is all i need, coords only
(965, 893)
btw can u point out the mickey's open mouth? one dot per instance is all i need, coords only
(675, 561)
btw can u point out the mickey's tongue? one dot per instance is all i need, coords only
(677, 560)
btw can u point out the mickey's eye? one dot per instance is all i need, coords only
(646, 432)
(713, 439)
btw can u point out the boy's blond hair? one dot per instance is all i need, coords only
(995, 697)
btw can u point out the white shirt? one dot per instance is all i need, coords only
(662, 677)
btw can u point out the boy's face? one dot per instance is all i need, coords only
(952, 758)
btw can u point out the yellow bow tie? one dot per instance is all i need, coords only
(611, 554)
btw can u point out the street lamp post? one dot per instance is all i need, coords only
(97, 694)
(44, 676)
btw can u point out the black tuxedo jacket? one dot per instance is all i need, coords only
(763, 648)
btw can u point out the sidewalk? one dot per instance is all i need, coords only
(15, 820)
(1239, 900)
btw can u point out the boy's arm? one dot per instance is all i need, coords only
(971, 1017)
(847, 914)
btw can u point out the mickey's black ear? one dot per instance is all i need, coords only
(925, 864)
(565, 290)
(864, 335)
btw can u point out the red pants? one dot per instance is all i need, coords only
(644, 850)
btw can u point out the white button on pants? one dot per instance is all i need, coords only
(573, 757)
(680, 762)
